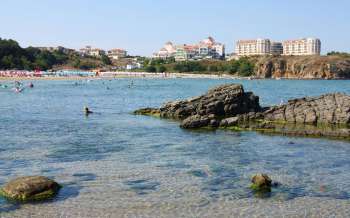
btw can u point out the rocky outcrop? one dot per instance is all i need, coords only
(210, 108)
(30, 188)
(222, 101)
(325, 109)
(303, 67)
(228, 106)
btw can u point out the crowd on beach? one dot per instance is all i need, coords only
(18, 73)
(37, 73)
(119, 74)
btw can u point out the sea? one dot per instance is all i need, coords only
(116, 164)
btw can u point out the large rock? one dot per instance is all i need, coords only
(261, 182)
(229, 106)
(224, 100)
(197, 121)
(30, 188)
(325, 109)
(208, 109)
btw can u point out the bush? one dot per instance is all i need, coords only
(213, 68)
(189, 66)
(105, 60)
(336, 53)
(151, 69)
(161, 69)
(86, 65)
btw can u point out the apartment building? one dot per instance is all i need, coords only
(186, 52)
(167, 51)
(306, 46)
(89, 51)
(205, 49)
(58, 48)
(276, 48)
(116, 53)
(253, 47)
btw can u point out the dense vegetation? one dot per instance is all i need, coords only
(340, 54)
(242, 67)
(12, 56)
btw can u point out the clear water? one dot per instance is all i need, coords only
(115, 164)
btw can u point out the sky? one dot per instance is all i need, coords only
(142, 27)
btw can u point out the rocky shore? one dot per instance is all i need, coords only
(303, 67)
(229, 106)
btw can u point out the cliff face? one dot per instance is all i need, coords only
(305, 67)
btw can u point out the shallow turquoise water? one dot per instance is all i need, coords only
(115, 161)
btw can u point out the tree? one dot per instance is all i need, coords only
(7, 62)
(189, 66)
(161, 69)
(151, 69)
(212, 68)
(87, 65)
(233, 67)
(105, 60)
(336, 53)
(246, 69)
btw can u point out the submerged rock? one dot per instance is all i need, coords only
(30, 188)
(261, 182)
(148, 111)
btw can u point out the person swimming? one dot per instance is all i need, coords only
(87, 111)
(131, 84)
(18, 89)
(31, 85)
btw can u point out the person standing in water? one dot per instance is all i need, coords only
(87, 111)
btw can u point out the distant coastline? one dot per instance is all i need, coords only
(67, 62)
(146, 75)
(117, 75)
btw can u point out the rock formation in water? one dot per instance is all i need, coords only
(30, 188)
(261, 182)
(325, 109)
(208, 109)
(228, 106)
(303, 67)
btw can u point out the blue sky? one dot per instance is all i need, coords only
(143, 26)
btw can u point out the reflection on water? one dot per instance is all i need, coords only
(115, 163)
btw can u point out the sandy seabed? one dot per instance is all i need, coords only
(299, 207)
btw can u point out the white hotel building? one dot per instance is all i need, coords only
(306, 46)
(253, 47)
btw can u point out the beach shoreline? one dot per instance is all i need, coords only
(146, 75)
(119, 75)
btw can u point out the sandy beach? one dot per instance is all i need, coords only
(114, 75)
